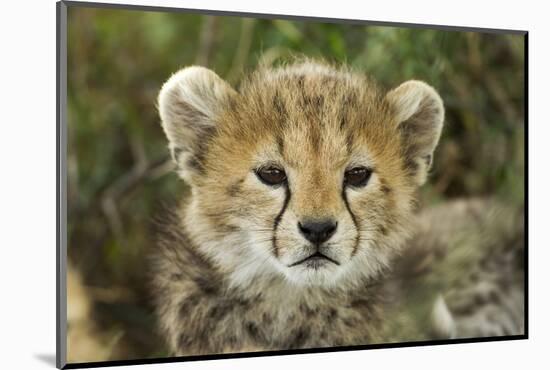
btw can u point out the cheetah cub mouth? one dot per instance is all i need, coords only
(307, 173)
(316, 260)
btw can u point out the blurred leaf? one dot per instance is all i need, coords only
(289, 30)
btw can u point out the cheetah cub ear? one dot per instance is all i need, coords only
(418, 110)
(190, 104)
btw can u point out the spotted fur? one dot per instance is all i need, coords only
(226, 275)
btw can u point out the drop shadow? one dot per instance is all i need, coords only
(48, 358)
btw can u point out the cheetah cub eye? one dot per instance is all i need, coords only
(357, 177)
(271, 175)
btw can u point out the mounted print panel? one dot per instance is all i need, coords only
(250, 184)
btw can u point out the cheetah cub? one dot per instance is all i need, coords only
(303, 188)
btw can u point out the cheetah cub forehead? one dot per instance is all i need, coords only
(307, 173)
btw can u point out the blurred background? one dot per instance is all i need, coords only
(119, 175)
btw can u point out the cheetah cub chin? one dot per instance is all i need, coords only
(303, 188)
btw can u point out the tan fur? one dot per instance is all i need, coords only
(224, 276)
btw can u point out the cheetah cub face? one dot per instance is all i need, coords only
(308, 172)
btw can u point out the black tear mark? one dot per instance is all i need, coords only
(354, 219)
(278, 219)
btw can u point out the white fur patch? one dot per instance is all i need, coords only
(442, 321)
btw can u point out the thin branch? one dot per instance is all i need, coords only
(209, 30)
(124, 185)
(243, 49)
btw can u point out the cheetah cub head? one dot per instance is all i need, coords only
(307, 172)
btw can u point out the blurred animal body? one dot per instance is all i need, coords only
(301, 229)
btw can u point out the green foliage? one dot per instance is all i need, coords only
(118, 177)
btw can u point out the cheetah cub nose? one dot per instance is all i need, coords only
(317, 231)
